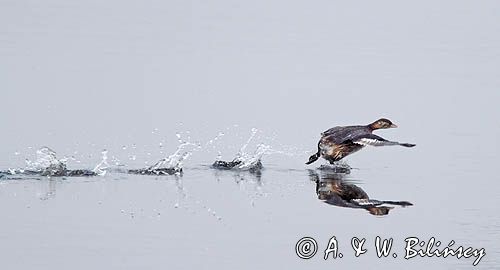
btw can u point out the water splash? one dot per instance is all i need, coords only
(244, 147)
(213, 141)
(174, 160)
(245, 160)
(338, 167)
(251, 161)
(45, 158)
(101, 168)
(173, 163)
(46, 163)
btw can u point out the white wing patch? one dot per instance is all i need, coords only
(373, 142)
(367, 202)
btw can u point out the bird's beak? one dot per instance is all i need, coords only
(393, 126)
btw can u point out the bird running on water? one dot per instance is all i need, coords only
(339, 142)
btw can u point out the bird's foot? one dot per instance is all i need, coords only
(337, 167)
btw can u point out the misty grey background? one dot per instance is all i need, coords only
(82, 76)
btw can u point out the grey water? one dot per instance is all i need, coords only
(113, 86)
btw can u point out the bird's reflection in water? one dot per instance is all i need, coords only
(333, 188)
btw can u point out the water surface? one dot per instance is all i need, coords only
(126, 77)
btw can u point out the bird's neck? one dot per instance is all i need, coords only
(373, 126)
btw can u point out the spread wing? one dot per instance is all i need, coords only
(360, 135)
(373, 140)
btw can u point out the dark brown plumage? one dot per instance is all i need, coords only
(339, 142)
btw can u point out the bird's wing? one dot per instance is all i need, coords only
(340, 135)
(330, 131)
(373, 140)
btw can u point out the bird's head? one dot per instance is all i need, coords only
(382, 123)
